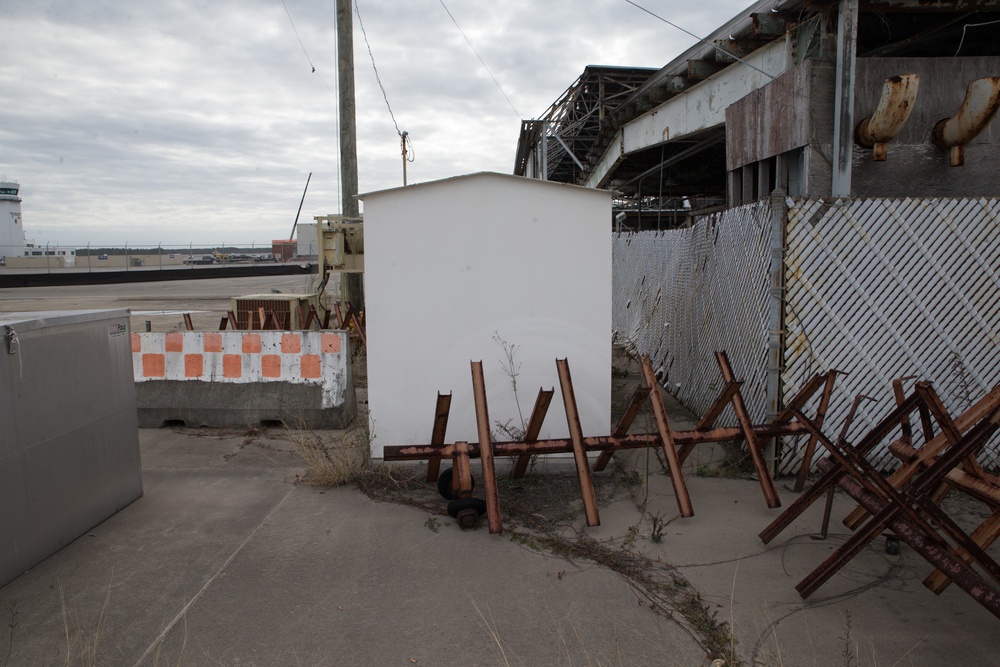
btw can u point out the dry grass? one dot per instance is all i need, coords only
(337, 461)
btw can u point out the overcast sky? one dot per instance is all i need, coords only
(198, 121)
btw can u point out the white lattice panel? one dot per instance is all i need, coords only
(680, 295)
(885, 288)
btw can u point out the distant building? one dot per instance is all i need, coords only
(307, 240)
(12, 242)
(15, 250)
(284, 249)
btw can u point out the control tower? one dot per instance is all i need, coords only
(12, 241)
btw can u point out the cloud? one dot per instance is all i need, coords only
(191, 121)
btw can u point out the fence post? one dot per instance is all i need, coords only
(776, 321)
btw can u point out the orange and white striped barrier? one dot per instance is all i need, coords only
(301, 357)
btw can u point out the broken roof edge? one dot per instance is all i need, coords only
(734, 27)
(485, 174)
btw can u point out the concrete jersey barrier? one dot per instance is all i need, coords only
(236, 378)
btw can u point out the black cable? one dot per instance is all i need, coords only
(361, 23)
(483, 62)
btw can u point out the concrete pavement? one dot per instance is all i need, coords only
(225, 560)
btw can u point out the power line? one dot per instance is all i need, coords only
(499, 87)
(966, 27)
(377, 77)
(306, 53)
(332, 90)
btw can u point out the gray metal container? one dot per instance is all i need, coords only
(69, 440)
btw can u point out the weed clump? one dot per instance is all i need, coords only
(334, 462)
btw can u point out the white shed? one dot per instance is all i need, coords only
(456, 271)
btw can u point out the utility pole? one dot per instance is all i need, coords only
(352, 286)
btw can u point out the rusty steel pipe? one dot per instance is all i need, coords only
(595, 443)
(982, 99)
(893, 110)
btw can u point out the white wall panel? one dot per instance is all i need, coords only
(451, 264)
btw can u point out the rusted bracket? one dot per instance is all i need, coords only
(534, 428)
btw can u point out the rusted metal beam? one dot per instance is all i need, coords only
(753, 444)
(486, 449)
(769, 25)
(667, 440)
(639, 396)
(906, 429)
(829, 478)
(731, 50)
(954, 568)
(985, 534)
(441, 411)
(311, 317)
(893, 504)
(576, 436)
(187, 322)
(810, 449)
(534, 428)
(932, 447)
(949, 428)
(601, 443)
(844, 430)
(702, 69)
(724, 398)
(358, 328)
(461, 479)
(802, 397)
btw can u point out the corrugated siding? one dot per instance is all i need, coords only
(680, 295)
(885, 288)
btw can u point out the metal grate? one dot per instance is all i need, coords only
(248, 310)
(884, 288)
(680, 295)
